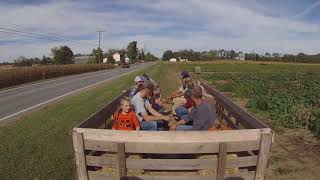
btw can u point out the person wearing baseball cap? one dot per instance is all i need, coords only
(184, 74)
(141, 104)
(185, 77)
(137, 81)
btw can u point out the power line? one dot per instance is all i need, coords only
(8, 32)
(40, 36)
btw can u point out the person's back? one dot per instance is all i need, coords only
(203, 116)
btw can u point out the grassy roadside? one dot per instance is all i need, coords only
(39, 145)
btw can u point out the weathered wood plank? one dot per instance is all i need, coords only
(95, 175)
(222, 158)
(172, 164)
(226, 118)
(79, 155)
(121, 157)
(171, 148)
(265, 145)
(169, 136)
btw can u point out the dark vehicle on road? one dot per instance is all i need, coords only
(125, 63)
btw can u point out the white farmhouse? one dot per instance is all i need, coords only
(173, 60)
(116, 57)
(241, 57)
(105, 60)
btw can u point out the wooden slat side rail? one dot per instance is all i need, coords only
(172, 164)
(222, 158)
(265, 145)
(226, 118)
(169, 136)
(121, 157)
(78, 147)
(138, 142)
(98, 119)
(244, 117)
(171, 148)
(95, 175)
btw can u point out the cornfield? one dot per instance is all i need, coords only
(20, 75)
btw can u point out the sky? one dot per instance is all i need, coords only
(284, 26)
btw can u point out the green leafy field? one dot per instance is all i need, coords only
(288, 93)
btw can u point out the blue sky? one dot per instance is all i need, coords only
(285, 26)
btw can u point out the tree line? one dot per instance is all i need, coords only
(299, 58)
(192, 55)
(132, 52)
(64, 55)
(200, 55)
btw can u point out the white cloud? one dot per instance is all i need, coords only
(224, 24)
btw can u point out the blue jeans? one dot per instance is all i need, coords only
(158, 108)
(162, 125)
(181, 111)
(183, 128)
(148, 125)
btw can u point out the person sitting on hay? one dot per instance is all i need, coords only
(202, 116)
(124, 118)
(177, 96)
(150, 119)
(183, 110)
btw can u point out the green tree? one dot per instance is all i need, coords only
(150, 57)
(96, 53)
(23, 61)
(110, 59)
(109, 54)
(141, 55)
(123, 54)
(168, 54)
(132, 51)
(62, 55)
(44, 60)
(232, 54)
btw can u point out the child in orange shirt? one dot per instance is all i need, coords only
(125, 118)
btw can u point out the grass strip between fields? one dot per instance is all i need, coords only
(39, 146)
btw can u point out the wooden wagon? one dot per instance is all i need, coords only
(250, 142)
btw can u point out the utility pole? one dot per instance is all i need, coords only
(99, 31)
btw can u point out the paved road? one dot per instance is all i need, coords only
(25, 98)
